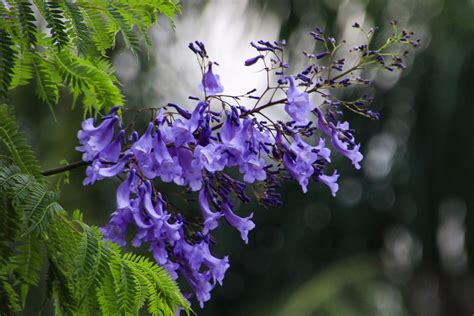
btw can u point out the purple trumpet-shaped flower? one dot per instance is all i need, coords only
(200, 268)
(168, 167)
(211, 157)
(144, 143)
(160, 253)
(181, 131)
(344, 143)
(211, 219)
(117, 226)
(330, 181)
(231, 126)
(323, 151)
(242, 224)
(145, 192)
(125, 189)
(299, 161)
(341, 138)
(142, 151)
(210, 82)
(192, 174)
(99, 171)
(300, 170)
(252, 169)
(217, 267)
(303, 151)
(190, 260)
(111, 153)
(298, 105)
(93, 139)
(201, 284)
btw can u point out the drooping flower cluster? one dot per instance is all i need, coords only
(195, 150)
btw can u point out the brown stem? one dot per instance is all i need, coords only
(281, 101)
(67, 167)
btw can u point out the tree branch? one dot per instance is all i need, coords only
(67, 167)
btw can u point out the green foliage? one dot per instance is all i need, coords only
(331, 292)
(85, 274)
(7, 61)
(15, 142)
(73, 48)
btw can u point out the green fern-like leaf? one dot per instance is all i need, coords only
(40, 208)
(37, 205)
(7, 62)
(88, 261)
(15, 142)
(78, 28)
(83, 76)
(78, 34)
(123, 20)
(28, 260)
(27, 20)
(22, 70)
(62, 290)
(9, 298)
(124, 286)
(48, 82)
(9, 228)
(102, 29)
(85, 272)
(55, 17)
(106, 297)
(170, 295)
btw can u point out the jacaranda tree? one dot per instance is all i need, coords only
(225, 152)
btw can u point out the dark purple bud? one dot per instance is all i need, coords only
(260, 48)
(191, 47)
(379, 58)
(345, 82)
(373, 115)
(134, 137)
(253, 60)
(416, 43)
(303, 78)
(181, 111)
(201, 46)
(307, 70)
(355, 25)
(268, 44)
(316, 36)
(322, 54)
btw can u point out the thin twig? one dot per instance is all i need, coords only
(67, 167)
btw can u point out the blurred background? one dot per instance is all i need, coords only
(399, 237)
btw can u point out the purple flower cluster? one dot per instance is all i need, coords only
(196, 150)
